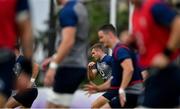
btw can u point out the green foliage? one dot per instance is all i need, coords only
(98, 16)
(98, 11)
(122, 20)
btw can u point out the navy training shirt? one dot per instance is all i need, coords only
(120, 53)
(104, 67)
(18, 65)
(67, 16)
(163, 14)
(22, 5)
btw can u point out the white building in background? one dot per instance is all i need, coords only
(40, 13)
(40, 16)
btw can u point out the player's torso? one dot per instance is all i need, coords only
(117, 70)
(104, 70)
(151, 37)
(7, 22)
(77, 57)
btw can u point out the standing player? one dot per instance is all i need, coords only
(156, 30)
(68, 68)
(24, 96)
(126, 84)
(14, 21)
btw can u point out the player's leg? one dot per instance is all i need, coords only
(106, 106)
(161, 89)
(51, 105)
(24, 98)
(7, 60)
(99, 102)
(66, 83)
(104, 99)
(3, 100)
(12, 103)
(177, 85)
(131, 101)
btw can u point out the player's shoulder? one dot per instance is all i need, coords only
(20, 58)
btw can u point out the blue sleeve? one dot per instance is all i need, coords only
(67, 18)
(122, 54)
(20, 60)
(22, 5)
(109, 60)
(163, 14)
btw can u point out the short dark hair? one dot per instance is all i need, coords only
(99, 46)
(108, 28)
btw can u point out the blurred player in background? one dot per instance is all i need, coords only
(68, 68)
(23, 96)
(15, 21)
(156, 31)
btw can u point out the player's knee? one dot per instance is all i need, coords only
(95, 105)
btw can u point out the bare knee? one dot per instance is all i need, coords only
(94, 105)
(98, 103)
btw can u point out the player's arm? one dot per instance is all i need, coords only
(91, 74)
(93, 88)
(35, 72)
(68, 23)
(25, 32)
(91, 71)
(105, 86)
(174, 40)
(167, 17)
(127, 73)
(68, 39)
(124, 57)
(25, 27)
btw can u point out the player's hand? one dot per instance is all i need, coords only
(91, 64)
(91, 88)
(160, 61)
(122, 97)
(45, 63)
(49, 77)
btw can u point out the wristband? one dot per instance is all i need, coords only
(121, 91)
(167, 52)
(53, 65)
(32, 80)
(54, 56)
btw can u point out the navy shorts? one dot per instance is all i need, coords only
(113, 97)
(67, 80)
(26, 97)
(7, 76)
(162, 89)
